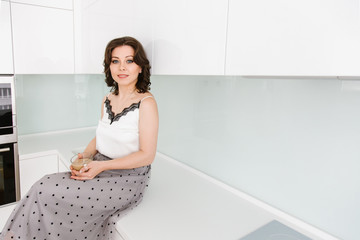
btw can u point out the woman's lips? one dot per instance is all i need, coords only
(122, 76)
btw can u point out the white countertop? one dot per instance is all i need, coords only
(64, 142)
(183, 203)
(180, 204)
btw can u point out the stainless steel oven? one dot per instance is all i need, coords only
(9, 157)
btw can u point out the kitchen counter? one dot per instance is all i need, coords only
(181, 202)
(65, 143)
(184, 203)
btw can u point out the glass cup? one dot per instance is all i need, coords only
(79, 160)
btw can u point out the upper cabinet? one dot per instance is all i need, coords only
(180, 37)
(65, 4)
(217, 37)
(189, 37)
(6, 57)
(43, 39)
(98, 22)
(306, 38)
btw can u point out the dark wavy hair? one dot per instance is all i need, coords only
(143, 83)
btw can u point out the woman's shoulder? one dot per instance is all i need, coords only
(148, 107)
(107, 96)
(147, 100)
(142, 97)
(147, 95)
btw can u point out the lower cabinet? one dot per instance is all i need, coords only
(34, 168)
(64, 165)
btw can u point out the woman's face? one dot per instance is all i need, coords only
(122, 67)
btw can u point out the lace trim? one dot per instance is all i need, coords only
(113, 118)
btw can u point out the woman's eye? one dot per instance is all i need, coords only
(114, 61)
(129, 61)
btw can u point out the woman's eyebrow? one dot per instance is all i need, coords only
(125, 57)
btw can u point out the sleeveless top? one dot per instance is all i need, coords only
(118, 136)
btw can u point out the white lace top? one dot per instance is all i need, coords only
(118, 136)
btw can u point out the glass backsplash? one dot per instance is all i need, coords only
(58, 102)
(293, 143)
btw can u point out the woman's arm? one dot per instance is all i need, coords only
(148, 133)
(91, 147)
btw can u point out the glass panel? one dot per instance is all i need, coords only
(7, 174)
(2, 182)
(5, 108)
(293, 143)
(58, 102)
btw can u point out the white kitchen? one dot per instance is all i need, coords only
(259, 134)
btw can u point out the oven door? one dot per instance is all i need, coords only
(9, 174)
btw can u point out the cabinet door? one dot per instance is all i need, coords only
(32, 169)
(43, 39)
(280, 37)
(189, 37)
(64, 166)
(65, 4)
(98, 22)
(6, 57)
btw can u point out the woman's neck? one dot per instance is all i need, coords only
(126, 92)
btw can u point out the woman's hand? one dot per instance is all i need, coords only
(89, 171)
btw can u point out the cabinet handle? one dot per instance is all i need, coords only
(4, 149)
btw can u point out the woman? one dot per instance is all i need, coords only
(86, 204)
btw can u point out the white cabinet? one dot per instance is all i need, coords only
(65, 4)
(43, 39)
(34, 168)
(63, 165)
(180, 37)
(189, 37)
(98, 22)
(280, 37)
(6, 55)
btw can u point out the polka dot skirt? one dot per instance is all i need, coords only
(58, 207)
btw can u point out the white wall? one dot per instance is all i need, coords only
(293, 143)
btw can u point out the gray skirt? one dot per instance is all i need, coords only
(58, 207)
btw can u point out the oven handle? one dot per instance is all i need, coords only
(4, 149)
